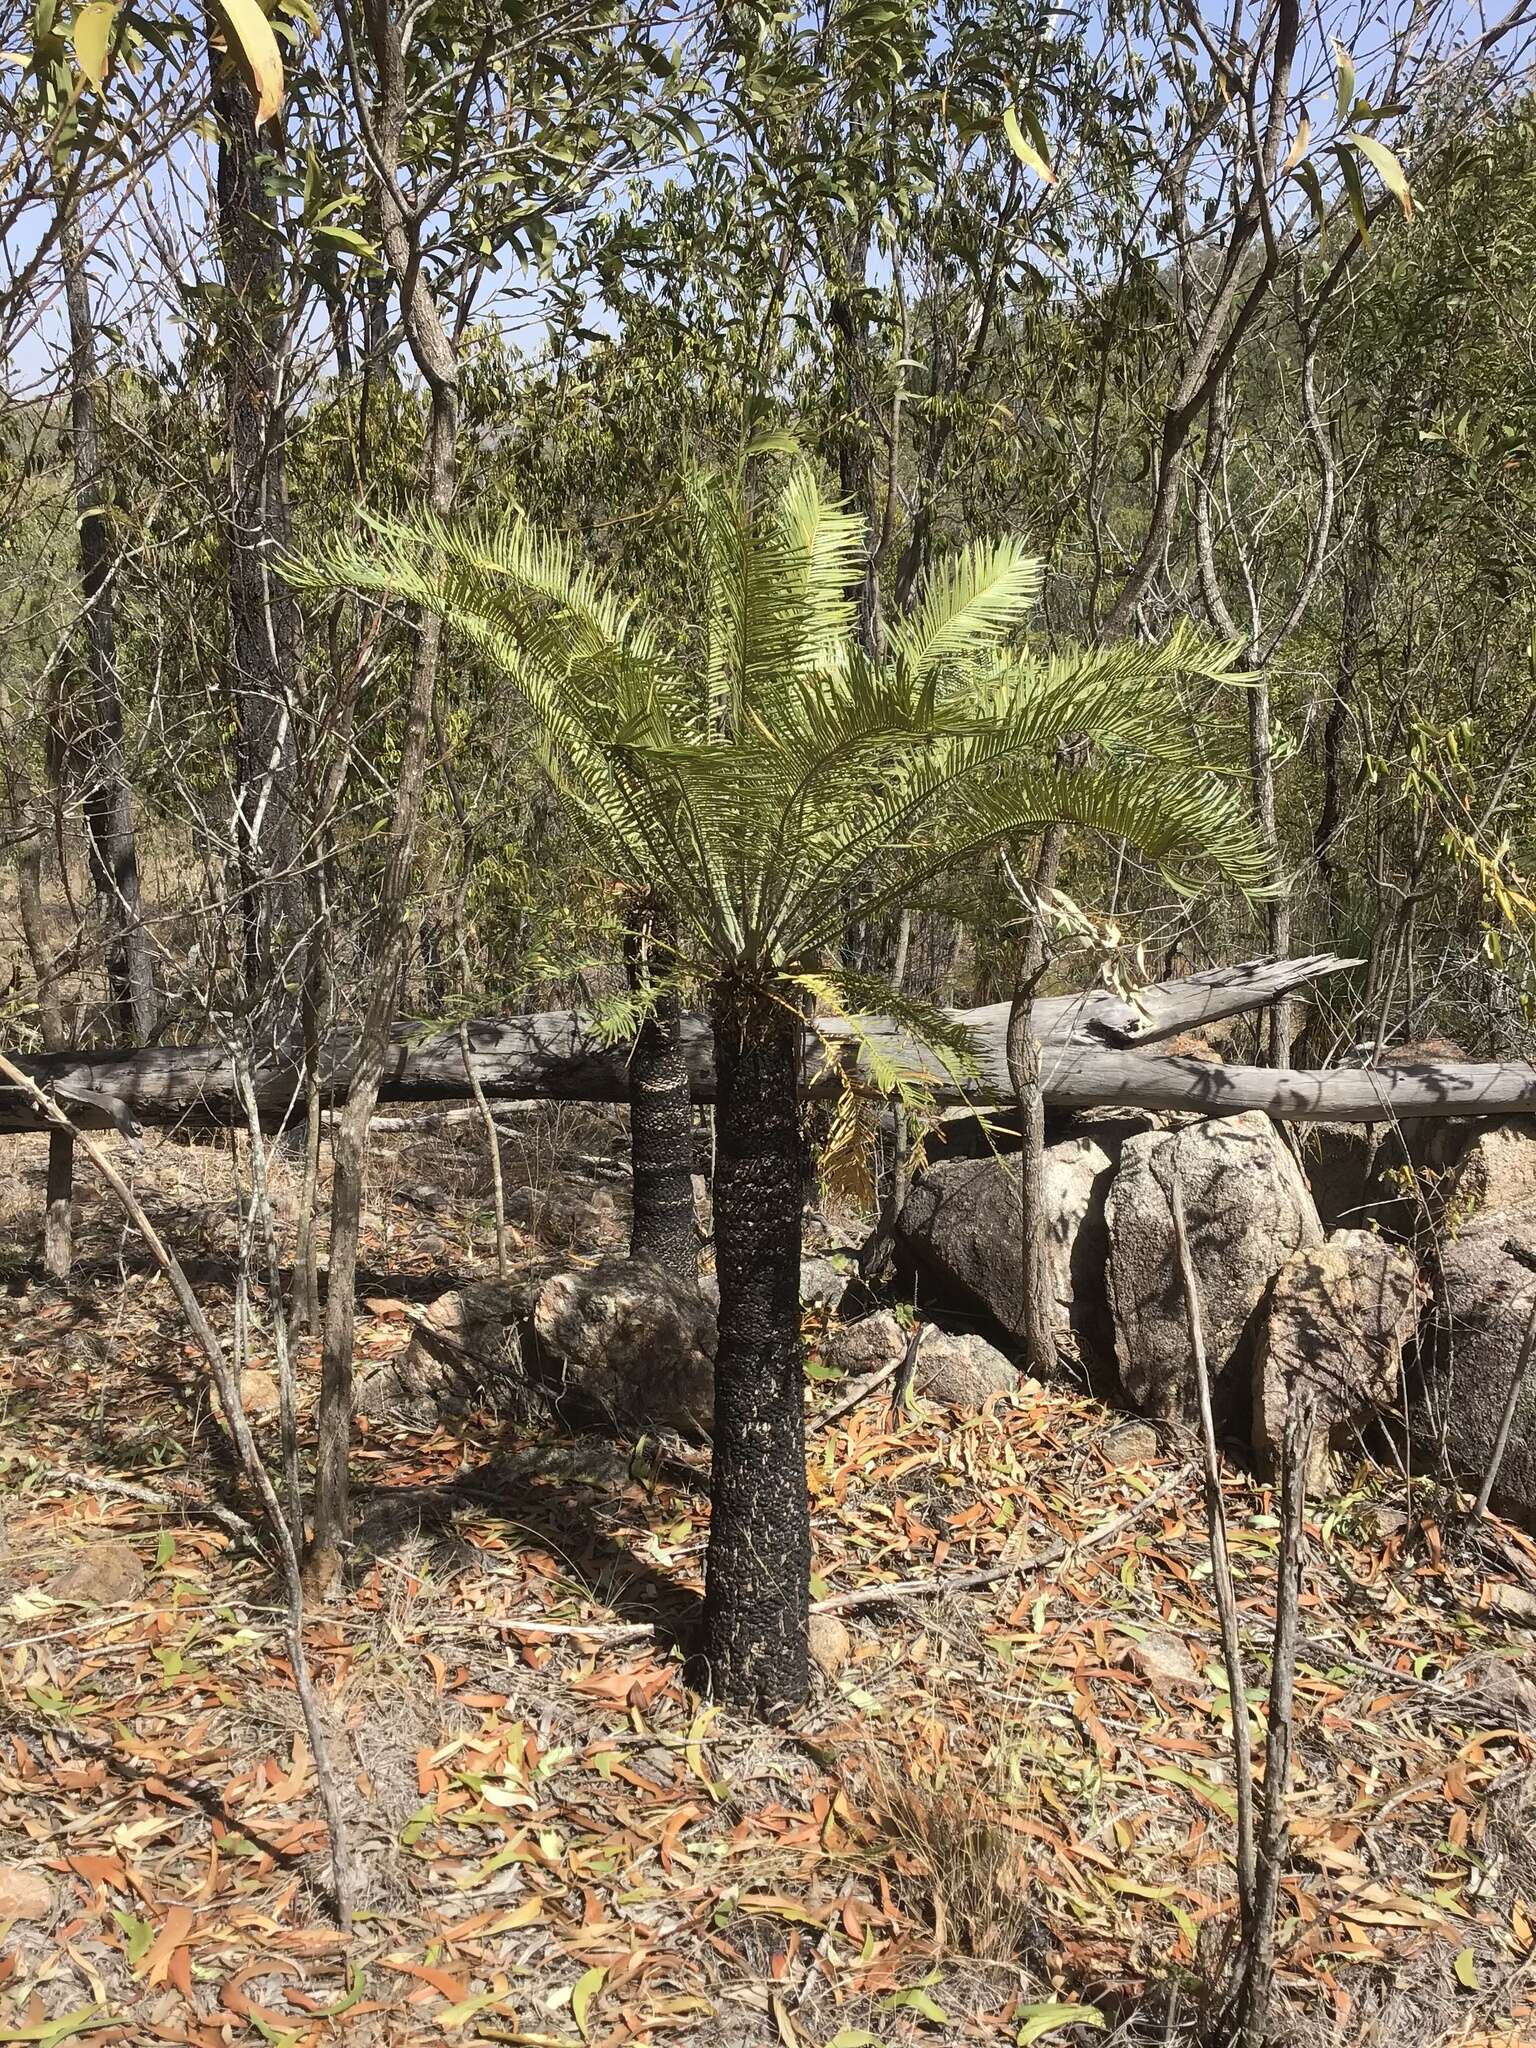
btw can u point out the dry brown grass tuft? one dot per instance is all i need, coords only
(951, 1842)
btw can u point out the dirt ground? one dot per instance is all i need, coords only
(1006, 1816)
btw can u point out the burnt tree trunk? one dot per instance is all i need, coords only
(106, 801)
(757, 1577)
(662, 1227)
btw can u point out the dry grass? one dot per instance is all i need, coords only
(951, 1831)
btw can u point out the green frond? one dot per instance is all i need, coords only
(970, 603)
(767, 776)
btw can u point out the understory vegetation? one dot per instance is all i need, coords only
(750, 758)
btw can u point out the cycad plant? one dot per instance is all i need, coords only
(766, 779)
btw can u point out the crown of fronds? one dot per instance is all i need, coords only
(769, 778)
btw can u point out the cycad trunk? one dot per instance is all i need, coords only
(660, 1118)
(757, 1580)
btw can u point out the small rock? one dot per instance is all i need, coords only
(633, 1343)
(102, 1573)
(1473, 1347)
(821, 1284)
(960, 1228)
(962, 1370)
(830, 1643)
(1248, 1209)
(1338, 1319)
(1497, 1168)
(24, 1894)
(1162, 1659)
(1513, 1603)
(1506, 1691)
(1130, 1443)
(868, 1344)
(447, 1312)
(1381, 1521)
(259, 1391)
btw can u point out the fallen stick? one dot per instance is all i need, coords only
(871, 1380)
(594, 1631)
(992, 1574)
(93, 1482)
(868, 1596)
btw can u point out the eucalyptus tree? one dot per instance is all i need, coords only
(760, 772)
(73, 115)
(483, 134)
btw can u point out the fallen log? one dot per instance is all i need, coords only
(553, 1056)
(1359, 1095)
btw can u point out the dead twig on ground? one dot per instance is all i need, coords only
(871, 1380)
(123, 1489)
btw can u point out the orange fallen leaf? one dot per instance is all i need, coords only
(179, 1922)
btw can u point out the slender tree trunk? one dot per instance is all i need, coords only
(24, 833)
(1023, 1055)
(1023, 1049)
(433, 354)
(59, 1225)
(757, 1578)
(660, 1115)
(1278, 911)
(1359, 600)
(107, 803)
(263, 632)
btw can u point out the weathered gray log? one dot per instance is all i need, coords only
(552, 1055)
(1361, 1095)
(1074, 1078)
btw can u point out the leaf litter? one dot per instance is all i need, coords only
(1008, 1816)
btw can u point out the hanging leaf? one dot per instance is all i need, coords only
(1298, 148)
(1354, 189)
(1025, 150)
(1310, 183)
(346, 238)
(91, 35)
(251, 35)
(1346, 74)
(1040, 2020)
(1387, 168)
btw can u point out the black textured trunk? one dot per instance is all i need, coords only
(106, 802)
(263, 640)
(757, 1580)
(660, 1117)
